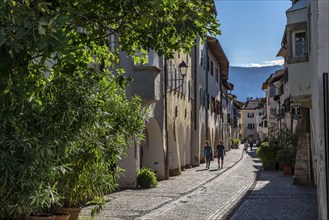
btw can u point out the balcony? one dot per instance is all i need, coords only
(295, 50)
(146, 78)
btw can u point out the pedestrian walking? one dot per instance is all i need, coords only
(245, 146)
(220, 154)
(207, 154)
(251, 145)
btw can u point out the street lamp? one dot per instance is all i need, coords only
(182, 69)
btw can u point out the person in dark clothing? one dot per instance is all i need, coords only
(220, 154)
(207, 154)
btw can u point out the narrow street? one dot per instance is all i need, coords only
(216, 194)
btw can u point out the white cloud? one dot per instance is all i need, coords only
(265, 63)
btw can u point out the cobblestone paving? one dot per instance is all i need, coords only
(215, 199)
(131, 204)
(275, 198)
(216, 194)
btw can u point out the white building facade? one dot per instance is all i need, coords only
(305, 47)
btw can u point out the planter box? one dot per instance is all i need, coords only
(287, 170)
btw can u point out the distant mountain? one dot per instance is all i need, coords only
(248, 80)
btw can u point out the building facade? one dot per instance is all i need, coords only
(187, 107)
(305, 50)
(251, 116)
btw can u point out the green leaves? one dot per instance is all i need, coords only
(41, 29)
(61, 106)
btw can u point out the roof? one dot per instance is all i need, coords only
(218, 52)
(231, 96)
(277, 77)
(227, 84)
(252, 104)
(283, 52)
(274, 77)
(301, 4)
(238, 103)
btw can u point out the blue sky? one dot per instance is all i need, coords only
(252, 30)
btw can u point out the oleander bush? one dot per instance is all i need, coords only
(286, 156)
(267, 152)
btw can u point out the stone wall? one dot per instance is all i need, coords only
(302, 174)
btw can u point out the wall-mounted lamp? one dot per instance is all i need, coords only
(182, 67)
(182, 70)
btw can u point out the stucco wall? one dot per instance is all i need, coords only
(179, 120)
(320, 65)
(299, 80)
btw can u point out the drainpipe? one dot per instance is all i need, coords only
(195, 118)
(195, 86)
(165, 85)
(326, 132)
(221, 122)
(207, 98)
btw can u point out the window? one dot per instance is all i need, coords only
(218, 107)
(170, 74)
(282, 89)
(273, 111)
(175, 78)
(202, 97)
(191, 89)
(299, 44)
(208, 63)
(213, 104)
(260, 114)
(211, 68)
(217, 74)
(287, 105)
(251, 126)
(143, 58)
(272, 91)
(251, 115)
(265, 124)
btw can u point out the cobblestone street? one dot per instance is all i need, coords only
(216, 194)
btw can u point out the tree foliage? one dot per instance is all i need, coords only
(62, 98)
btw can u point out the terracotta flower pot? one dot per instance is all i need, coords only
(42, 217)
(287, 169)
(62, 216)
(74, 212)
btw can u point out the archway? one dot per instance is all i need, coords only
(181, 146)
(152, 152)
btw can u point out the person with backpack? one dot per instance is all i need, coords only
(220, 154)
(207, 154)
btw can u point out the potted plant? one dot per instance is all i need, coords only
(235, 142)
(267, 153)
(86, 180)
(286, 158)
(146, 178)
